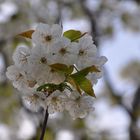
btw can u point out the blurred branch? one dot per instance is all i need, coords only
(134, 118)
(5, 60)
(132, 113)
(136, 101)
(117, 96)
(92, 19)
(113, 92)
(59, 16)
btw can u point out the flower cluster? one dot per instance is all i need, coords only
(58, 72)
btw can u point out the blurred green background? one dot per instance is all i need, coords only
(115, 27)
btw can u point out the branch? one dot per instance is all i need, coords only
(134, 118)
(119, 99)
(5, 60)
(44, 125)
(92, 19)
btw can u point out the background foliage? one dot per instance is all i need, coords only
(102, 18)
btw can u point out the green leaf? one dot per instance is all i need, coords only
(73, 35)
(40, 88)
(74, 84)
(84, 84)
(50, 87)
(62, 68)
(79, 81)
(27, 34)
(86, 71)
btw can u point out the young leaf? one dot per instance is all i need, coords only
(49, 87)
(43, 87)
(73, 35)
(84, 72)
(79, 80)
(62, 68)
(27, 34)
(84, 84)
(74, 84)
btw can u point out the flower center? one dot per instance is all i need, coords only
(43, 60)
(48, 38)
(19, 76)
(62, 51)
(31, 83)
(52, 70)
(33, 98)
(54, 99)
(24, 57)
(81, 52)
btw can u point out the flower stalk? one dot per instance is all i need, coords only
(44, 125)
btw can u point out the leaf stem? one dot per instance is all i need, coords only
(44, 125)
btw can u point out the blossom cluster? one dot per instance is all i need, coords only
(41, 84)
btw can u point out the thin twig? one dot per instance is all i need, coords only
(44, 125)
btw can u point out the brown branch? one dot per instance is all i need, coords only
(44, 125)
(134, 118)
(92, 19)
(114, 94)
(5, 60)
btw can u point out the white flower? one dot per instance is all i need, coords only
(56, 102)
(86, 51)
(21, 80)
(33, 102)
(20, 56)
(46, 35)
(40, 68)
(33, 69)
(55, 77)
(98, 62)
(79, 105)
(93, 77)
(39, 64)
(64, 51)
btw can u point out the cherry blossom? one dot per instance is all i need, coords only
(44, 73)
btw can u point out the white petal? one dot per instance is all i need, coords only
(21, 55)
(56, 30)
